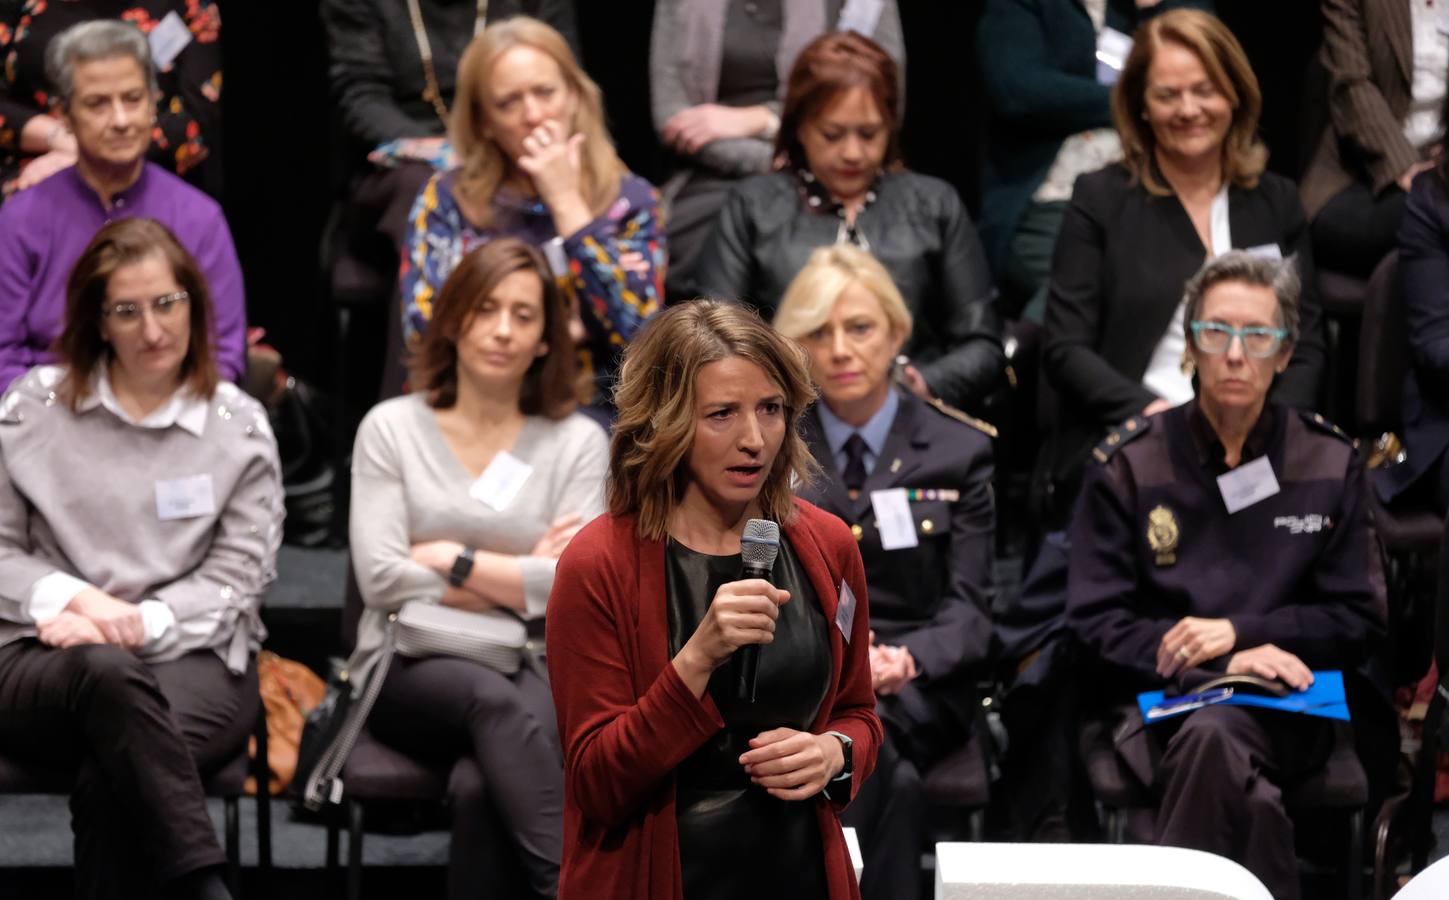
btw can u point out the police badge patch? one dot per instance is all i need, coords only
(1162, 534)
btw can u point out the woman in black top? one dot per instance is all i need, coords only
(838, 135)
(1191, 186)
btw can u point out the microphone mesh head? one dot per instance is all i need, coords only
(760, 544)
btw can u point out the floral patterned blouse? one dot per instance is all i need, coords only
(614, 300)
(188, 114)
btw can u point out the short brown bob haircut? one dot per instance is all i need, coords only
(550, 382)
(829, 66)
(1244, 156)
(656, 398)
(80, 347)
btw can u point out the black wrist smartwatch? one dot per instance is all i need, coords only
(462, 567)
(847, 748)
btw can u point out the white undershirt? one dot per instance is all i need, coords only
(1164, 376)
(1431, 56)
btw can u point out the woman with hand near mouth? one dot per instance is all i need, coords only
(433, 521)
(676, 788)
(842, 183)
(536, 163)
(1191, 186)
(913, 481)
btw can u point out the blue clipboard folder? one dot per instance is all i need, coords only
(1324, 698)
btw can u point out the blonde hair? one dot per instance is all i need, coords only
(484, 165)
(1244, 156)
(656, 399)
(813, 292)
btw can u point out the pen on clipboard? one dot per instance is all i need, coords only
(1187, 703)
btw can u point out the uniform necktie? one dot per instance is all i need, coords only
(854, 473)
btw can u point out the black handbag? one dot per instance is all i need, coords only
(332, 728)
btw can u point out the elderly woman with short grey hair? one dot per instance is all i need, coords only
(107, 104)
(35, 143)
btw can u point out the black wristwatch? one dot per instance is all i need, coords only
(462, 567)
(847, 748)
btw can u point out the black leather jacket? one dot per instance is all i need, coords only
(919, 230)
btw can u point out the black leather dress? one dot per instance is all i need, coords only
(735, 840)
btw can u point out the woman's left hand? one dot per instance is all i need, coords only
(69, 630)
(437, 555)
(793, 765)
(1192, 642)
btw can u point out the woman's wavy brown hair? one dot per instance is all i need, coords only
(484, 165)
(1244, 156)
(829, 66)
(549, 384)
(80, 347)
(658, 414)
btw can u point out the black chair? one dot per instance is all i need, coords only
(1408, 530)
(1339, 787)
(378, 776)
(228, 783)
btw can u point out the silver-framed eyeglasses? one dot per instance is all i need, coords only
(163, 308)
(1258, 340)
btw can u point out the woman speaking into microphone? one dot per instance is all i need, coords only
(676, 788)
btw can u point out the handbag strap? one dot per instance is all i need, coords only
(431, 92)
(324, 784)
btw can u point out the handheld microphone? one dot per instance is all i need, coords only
(759, 546)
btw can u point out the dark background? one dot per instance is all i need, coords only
(281, 162)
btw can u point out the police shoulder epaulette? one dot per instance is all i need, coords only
(1118, 437)
(1317, 422)
(952, 412)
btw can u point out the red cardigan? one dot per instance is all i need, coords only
(627, 720)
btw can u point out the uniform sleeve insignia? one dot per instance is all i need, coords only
(952, 412)
(1120, 436)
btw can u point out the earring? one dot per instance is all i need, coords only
(1187, 367)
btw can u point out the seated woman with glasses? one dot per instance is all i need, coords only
(140, 514)
(1226, 535)
(1191, 185)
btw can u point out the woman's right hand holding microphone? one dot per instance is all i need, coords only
(742, 613)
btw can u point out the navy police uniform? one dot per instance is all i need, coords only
(1152, 542)
(933, 599)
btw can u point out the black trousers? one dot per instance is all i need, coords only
(442, 708)
(1356, 229)
(889, 811)
(137, 735)
(1221, 778)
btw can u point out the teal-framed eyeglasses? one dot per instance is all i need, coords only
(1258, 340)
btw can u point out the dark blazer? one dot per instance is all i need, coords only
(917, 227)
(1424, 280)
(1121, 261)
(1038, 63)
(627, 720)
(1368, 50)
(933, 599)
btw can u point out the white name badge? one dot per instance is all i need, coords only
(893, 518)
(1112, 49)
(501, 481)
(557, 259)
(845, 611)
(168, 39)
(1247, 484)
(861, 16)
(1265, 251)
(185, 498)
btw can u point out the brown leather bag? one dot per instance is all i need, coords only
(289, 691)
